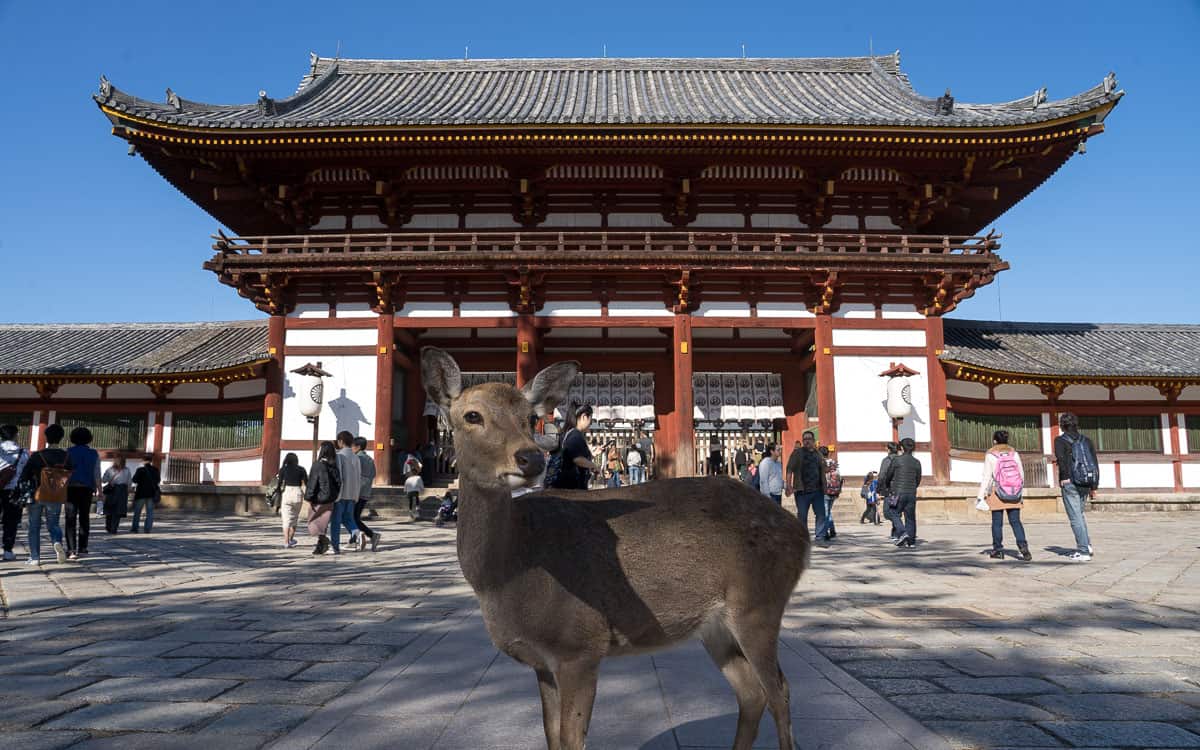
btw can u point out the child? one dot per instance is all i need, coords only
(868, 493)
(413, 487)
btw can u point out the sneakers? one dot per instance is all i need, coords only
(903, 538)
(362, 542)
(1025, 554)
(60, 553)
(322, 545)
(375, 541)
(334, 551)
(9, 556)
(33, 561)
(72, 556)
(1080, 556)
(905, 543)
(996, 554)
(354, 539)
(291, 543)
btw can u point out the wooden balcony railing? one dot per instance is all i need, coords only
(604, 242)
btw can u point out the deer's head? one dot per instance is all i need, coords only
(493, 422)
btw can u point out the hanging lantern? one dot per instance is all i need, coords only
(309, 389)
(899, 390)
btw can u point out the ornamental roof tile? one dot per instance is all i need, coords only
(844, 91)
(138, 349)
(1076, 349)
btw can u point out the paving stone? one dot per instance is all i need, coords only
(899, 669)
(262, 719)
(129, 666)
(43, 740)
(40, 686)
(284, 691)
(17, 663)
(322, 652)
(395, 638)
(997, 685)
(194, 635)
(966, 707)
(1124, 683)
(305, 637)
(889, 686)
(137, 716)
(126, 648)
(338, 671)
(1121, 734)
(249, 669)
(177, 741)
(23, 714)
(1115, 707)
(125, 689)
(977, 734)
(224, 650)
(983, 666)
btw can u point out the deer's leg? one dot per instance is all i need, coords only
(577, 693)
(551, 708)
(758, 638)
(751, 699)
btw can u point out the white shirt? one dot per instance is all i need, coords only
(351, 471)
(12, 454)
(770, 477)
(633, 458)
(414, 484)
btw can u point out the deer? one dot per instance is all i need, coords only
(566, 578)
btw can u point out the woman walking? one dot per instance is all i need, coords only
(82, 487)
(324, 485)
(870, 493)
(1001, 488)
(116, 481)
(292, 478)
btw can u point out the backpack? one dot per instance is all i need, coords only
(9, 473)
(53, 481)
(1006, 479)
(833, 480)
(554, 467)
(1085, 470)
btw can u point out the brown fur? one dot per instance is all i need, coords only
(566, 578)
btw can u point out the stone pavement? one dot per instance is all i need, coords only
(207, 634)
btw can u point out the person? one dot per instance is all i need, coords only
(770, 474)
(413, 487)
(83, 486)
(740, 459)
(577, 466)
(293, 479)
(832, 484)
(716, 456)
(350, 473)
(1073, 495)
(43, 464)
(367, 476)
(1002, 470)
(752, 476)
(147, 483)
(886, 501)
(901, 478)
(13, 459)
(116, 481)
(870, 494)
(412, 462)
(616, 468)
(322, 492)
(636, 463)
(806, 477)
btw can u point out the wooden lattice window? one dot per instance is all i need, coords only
(110, 432)
(1192, 423)
(212, 432)
(973, 432)
(1123, 434)
(23, 422)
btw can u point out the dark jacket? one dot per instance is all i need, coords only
(902, 477)
(146, 480)
(320, 489)
(806, 471)
(1064, 456)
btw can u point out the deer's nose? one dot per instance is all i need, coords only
(530, 461)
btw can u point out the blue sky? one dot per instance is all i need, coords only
(1110, 238)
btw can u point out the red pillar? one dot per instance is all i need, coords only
(1176, 445)
(157, 446)
(685, 431)
(795, 397)
(939, 432)
(527, 340)
(665, 439)
(384, 369)
(826, 395)
(273, 400)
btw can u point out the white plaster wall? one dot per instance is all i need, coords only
(857, 463)
(575, 309)
(130, 390)
(349, 398)
(1085, 393)
(966, 389)
(723, 310)
(1108, 475)
(246, 388)
(310, 310)
(861, 393)
(18, 390)
(853, 337)
(1018, 392)
(194, 390)
(1181, 422)
(638, 309)
(1047, 440)
(427, 310)
(485, 310)
(926, 460)
(855, 310)
(168, 419)
(901, 311)
(353, 310)
(783, 310)
(1191, 475)
(78, 390)
(1191, 393)
(332, 337)
(246, 471)
(1165, 421)
(1147, 475)
(962, 470)
(1138, 393)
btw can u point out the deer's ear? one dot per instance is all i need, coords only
(549, 387)
(441, 376)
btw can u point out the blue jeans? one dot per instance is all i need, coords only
(777, 498)
(637, 474)
(138, 504)
(825, 525)
(1073, 503)
(908, 509)
(53, 512)
(814, 500)
(343, 514)
(1014, 520)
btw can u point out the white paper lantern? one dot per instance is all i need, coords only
(899, 398)
(309, 394)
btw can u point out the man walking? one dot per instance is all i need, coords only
(1078, 474)
(902, 479)
(48, 470)
(882, 498)
(13, 459)
(350, 470)
(146, 481)
(367, 477)
(770, 473)
(806, 477)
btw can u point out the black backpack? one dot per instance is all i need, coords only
(1085, 470)
(554, 468)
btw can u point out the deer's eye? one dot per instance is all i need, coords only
(473, 417)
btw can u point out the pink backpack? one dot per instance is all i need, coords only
(1007, 477)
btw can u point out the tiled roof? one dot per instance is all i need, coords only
(606, 91)
(129, 348)
(1078, 349)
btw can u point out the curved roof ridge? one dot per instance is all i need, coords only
(1018, 325)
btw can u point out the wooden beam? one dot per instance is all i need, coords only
(685, 453)
(273, 400)
(385, 368)
(939, 433)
